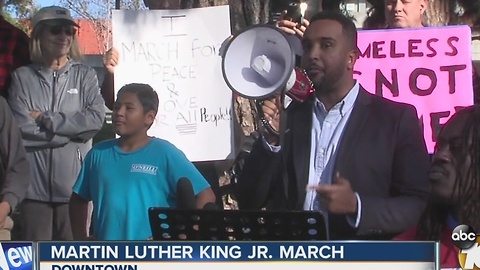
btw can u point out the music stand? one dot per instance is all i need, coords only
(170, 224)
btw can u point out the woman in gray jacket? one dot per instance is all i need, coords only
(57, 104)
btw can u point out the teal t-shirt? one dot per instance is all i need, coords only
(123, 185)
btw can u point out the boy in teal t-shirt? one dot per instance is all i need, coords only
(126, 176)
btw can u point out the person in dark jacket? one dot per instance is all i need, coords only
(14, 169)
(362, 157)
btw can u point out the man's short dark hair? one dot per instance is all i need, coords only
(145, 94)
(348, 26)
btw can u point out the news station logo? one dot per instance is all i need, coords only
(16, 256)
(465, 238)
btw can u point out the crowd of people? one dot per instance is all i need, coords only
(358, 158)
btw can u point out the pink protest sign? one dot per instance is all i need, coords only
(430, 68)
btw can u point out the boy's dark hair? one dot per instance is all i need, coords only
(348, 26)
(145, 94)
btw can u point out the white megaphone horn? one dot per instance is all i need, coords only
(259, 62)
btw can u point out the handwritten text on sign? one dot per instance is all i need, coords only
(429, 68)
(177, 53)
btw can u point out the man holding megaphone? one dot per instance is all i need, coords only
(359, 158)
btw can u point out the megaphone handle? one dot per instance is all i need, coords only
(264, 121)
(282, 122)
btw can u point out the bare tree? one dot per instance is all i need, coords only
(441, 12)
(97, 13)
(23, 9)
(450, 12)
(444, 12)
(18, 12)
(470, 12)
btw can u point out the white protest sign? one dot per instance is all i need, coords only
(177, 53)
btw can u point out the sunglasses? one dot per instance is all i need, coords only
(67, 30)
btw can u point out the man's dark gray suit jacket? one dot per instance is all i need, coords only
(382, 153)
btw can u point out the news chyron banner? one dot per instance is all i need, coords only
(236, 255)
(16, 256)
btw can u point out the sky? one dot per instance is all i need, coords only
(45, 3)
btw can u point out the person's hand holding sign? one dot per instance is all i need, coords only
(337, 198)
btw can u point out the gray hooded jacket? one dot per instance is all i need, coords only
(73, 112)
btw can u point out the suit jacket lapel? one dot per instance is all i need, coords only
(339, 228)
(352, 130)
(300, 141)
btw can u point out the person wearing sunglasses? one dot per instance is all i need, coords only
(57, 103)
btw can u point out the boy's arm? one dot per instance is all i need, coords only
(78, 205)
(204, 197)
(78, 208)
(179, 167)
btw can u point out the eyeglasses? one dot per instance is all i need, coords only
(67, 30)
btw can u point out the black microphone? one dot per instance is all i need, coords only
(185, 195)
(211, 206)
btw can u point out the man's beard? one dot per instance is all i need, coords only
(323, 87)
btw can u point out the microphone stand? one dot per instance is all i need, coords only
(280, 133)
(282, 130)
(283, 119)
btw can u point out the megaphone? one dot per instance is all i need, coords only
(259, 62)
